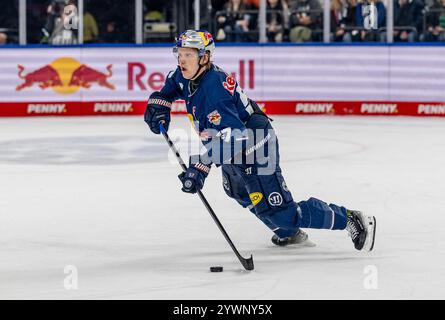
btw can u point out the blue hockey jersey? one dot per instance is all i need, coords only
(218, 103)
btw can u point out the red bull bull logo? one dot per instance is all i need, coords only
(84, 76)
(214, 117)
(46, 77)
(65, 76)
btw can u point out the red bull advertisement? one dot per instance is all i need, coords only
(284, 80)
(65, 75)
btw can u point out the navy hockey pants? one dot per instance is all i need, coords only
(269, 199)
(267, 195)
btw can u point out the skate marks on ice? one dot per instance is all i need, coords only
(117, 271)
(331, 149)
(83, 150)
(159, 271)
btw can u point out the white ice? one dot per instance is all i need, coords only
(99, 194)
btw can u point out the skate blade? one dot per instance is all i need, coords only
(306, 243)
(370, 223)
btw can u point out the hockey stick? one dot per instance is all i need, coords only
(247, 263)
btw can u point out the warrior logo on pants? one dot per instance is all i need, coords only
(275, 199)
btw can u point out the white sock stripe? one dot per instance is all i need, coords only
(333, 218)
(161, 102)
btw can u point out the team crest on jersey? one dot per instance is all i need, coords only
(229, 84)
(214, 117)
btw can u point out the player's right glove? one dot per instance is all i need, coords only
(193, 179)
(157, 111)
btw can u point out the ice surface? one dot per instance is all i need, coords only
(100, 194)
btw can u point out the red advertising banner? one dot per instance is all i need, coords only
(299, 108)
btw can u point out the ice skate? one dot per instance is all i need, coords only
(300, 239)
(361, 229)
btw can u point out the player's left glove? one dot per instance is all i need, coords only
(193, 179)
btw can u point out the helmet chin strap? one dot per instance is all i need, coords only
(199, 69)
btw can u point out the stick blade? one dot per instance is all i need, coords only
(248, 263)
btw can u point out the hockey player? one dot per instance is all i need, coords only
(232, 128)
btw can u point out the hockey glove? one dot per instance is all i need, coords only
(193, 179)
(158, 110)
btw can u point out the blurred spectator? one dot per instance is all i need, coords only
(304, 20)
(435, 22)
(3, 38)
(111, 34)
(370, 35)
(276, 19)
(115, 18)
(233, 24)
(9, 22)
(407, 13)
(56, 32)
(342, 19)
(90, 29)
(419, 7)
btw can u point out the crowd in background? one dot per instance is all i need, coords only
(113, 21)
(302, 21)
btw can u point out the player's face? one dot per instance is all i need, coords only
(188, 61)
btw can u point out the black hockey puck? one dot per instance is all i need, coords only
(216, 269)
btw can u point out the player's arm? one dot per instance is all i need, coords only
(225, 142)
(160, 102)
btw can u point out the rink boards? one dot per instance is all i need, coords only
(291, 80)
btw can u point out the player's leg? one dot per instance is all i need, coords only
(274, 206)
(235, 187)
(317, 214)
(278, 209)
(261, 160)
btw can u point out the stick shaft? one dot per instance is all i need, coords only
(247, 263)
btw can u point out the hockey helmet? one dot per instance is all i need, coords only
(201, 40)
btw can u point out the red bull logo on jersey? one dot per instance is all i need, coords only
(214, 117)
(65, 76)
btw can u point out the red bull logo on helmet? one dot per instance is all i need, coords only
(206, 37)
(65, 76)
